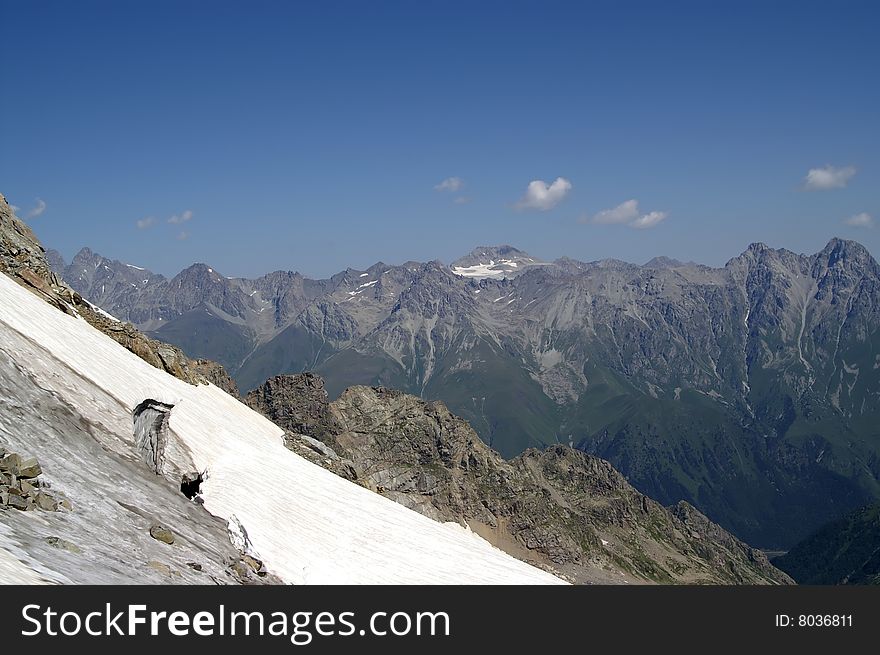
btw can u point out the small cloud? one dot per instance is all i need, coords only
(542, 197)
(183, 236)
(863, 219)
(462, 200)
(829, 177)
(178, 219)
(38, 210)
(451, 184)
(144, 223)
(15, 209)
(649, 220)
(627, 213)
(624, 213)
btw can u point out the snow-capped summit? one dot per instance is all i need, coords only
(495, 262)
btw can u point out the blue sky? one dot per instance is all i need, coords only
(312, 136)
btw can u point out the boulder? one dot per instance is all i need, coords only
(26, 487)
(10, 462)
(255, 564)
(162, 534)
(28, 468)
(18, 502)
(45, 502)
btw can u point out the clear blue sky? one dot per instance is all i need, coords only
(311, 136)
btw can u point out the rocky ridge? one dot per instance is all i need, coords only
(559, 508)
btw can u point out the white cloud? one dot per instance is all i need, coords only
(452, 184)
(184, 217)
(542, 197)
(624, 213)
(627, 213)
(144, 223)
(37, 210)
(829, 177)
(183, 236)
(649, 220)
(462, 200)
(15, 209)
(863, 219)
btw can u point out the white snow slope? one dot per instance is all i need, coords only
(309, 527)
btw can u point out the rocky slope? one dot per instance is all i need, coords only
(558, 508)
(750, 391)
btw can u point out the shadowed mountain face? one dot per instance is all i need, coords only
(751, 391)
(845, 551)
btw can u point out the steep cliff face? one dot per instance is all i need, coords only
(559, 508)
(23, 258)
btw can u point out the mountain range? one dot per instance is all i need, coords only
(143, 454)
(749, 391)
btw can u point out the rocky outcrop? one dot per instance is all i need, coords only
(23, 258)
(299, 404)
(22, 488)
(559, 508)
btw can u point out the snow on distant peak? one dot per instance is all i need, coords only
(495, 262)
(137, 268)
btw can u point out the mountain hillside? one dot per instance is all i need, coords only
(845, 551)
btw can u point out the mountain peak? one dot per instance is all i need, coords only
(663, 262)
(496, 262)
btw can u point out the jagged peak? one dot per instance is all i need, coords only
(844, 247)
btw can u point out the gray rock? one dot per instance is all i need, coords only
(45, 502)
(18, 502)
(10, 463)
(255, 564)
(63, 544)
(162, 534)
(161, 567)
(28, 468)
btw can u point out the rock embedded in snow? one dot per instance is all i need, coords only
(19, 486)
(163, 534)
